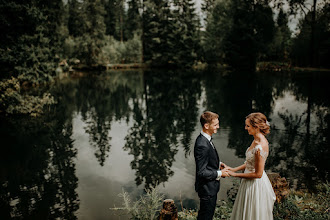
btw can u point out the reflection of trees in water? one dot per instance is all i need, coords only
(298, 155)
(301, 150)
(102, 99)
(234, 96)
(37, 170)
(98, 129)
(165, 114)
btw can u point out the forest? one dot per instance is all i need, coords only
(64, 128)
(39, 39)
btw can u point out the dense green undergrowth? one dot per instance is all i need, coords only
(299, 205)
(14, 101)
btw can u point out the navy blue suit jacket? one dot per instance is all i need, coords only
(207, 165)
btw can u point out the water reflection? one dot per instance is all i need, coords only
(37, 169)
(299, 148)
(162, 118)
(302, 144)
(149, 120)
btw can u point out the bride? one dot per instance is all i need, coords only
(255, 198)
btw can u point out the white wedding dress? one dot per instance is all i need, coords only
(255, 197)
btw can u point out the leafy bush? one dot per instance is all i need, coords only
(112, 52)
(13, 102)
(69, 47)
(303, 205)
(188, 214)
(297, 206)
(222, 211)
(146, 208)
(122, 52)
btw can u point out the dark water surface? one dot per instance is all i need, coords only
(133, 130)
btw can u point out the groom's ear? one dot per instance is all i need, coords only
(206, 126)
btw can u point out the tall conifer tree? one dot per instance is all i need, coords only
(133, 21)
(93, 39)
(75, 22)
(187, 32)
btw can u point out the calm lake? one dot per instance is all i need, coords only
(133, 130)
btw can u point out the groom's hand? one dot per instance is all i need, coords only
(224, 166)
(225, 173)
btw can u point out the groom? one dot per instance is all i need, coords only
(208, 166)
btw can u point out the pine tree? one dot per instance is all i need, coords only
(207, 8)
(93, 39)
(28, 49)
(114, 18)
(158, 37)
(109, 18)
(75, 22)
(239, 32)
(279, 48)
(170, 32)
(218, 24)
(187, 33)
(133, 21)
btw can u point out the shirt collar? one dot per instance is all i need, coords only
(208, 137)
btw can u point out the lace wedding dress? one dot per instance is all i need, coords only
(255, 197)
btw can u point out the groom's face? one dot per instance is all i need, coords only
(213, 126)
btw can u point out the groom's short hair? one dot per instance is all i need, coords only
(207, 117)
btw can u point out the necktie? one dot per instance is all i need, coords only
(212, 143)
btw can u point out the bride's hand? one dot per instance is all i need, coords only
(231, 173)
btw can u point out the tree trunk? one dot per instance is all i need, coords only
(169, 211)
(312, 43)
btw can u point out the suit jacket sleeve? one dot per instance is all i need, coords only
(202, 157)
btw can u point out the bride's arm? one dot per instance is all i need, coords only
(259, 168)
(235, 169)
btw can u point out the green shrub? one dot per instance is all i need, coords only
(222, 211)
(122, 52)
(303, 205)
(297, 206)
(113, 51)
(146, 208)
(13, 102)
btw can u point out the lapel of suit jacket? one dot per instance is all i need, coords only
(216, 152)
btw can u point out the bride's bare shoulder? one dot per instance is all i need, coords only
(263, 143)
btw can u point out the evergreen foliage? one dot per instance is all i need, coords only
(219, 21)
(114, 18)
(36, 35)
(170, 32)
(75, 22)
(301, 48)
(134, 20)
(238, 33)
(92, 41)
(158, 37)
(27, 47)
(110, 16)
(14, 101)
(279, 49)
(187, 32)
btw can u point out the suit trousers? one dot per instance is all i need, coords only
(207, 207)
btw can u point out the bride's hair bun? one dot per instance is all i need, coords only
(259, 120)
